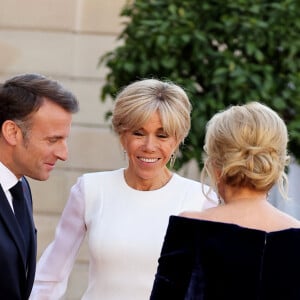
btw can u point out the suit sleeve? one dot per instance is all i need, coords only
(56, 263)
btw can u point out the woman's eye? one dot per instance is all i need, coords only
(163, 135)
(137, 133)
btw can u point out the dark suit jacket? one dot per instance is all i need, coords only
(16, 279)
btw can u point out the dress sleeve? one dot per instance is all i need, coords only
(56, 263)
(175, 263)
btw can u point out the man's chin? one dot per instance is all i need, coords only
(40, 177)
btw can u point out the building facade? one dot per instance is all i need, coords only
(64, 40)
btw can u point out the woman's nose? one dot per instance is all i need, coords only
(150, 143)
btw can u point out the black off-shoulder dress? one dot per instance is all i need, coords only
(206, 260)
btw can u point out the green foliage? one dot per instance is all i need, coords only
(221, 52)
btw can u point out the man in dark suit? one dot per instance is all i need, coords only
(35, 121)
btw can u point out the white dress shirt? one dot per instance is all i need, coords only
(7, 180)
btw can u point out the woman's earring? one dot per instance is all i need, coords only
(172, 160)
(220, 201)
(124, 152)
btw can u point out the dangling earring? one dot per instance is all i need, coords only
(220, 200)
(124, 152)
(172, 160)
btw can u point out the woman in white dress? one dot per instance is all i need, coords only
(125, 212)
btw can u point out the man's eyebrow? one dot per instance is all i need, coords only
(55, 137)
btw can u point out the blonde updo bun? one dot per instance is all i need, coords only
(248, 144)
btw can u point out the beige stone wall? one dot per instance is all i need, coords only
(64, 40)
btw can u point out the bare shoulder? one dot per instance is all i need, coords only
(289, 220)
(210, 214)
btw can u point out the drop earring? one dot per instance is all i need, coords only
(172, 160)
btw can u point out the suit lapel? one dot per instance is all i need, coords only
(9, 220)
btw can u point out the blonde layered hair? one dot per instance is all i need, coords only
(138, 101)
(247, 144)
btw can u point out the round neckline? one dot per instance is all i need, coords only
(165, 186)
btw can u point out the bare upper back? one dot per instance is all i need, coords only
(263, 217)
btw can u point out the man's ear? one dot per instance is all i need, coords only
(10, 131)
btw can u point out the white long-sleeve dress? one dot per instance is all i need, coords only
(125, 229)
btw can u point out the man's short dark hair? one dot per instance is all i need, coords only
(23, 94)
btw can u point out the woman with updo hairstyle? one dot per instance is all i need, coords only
(124, 213)
(245, 248)
(247, 145)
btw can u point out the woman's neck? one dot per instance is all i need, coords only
(147, 184)
(243, 195)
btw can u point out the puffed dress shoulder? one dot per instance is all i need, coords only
(206, 260)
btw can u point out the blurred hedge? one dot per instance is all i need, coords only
(221, 52)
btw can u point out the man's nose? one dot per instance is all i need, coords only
(62, 151)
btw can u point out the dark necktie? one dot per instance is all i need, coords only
(21, 212)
